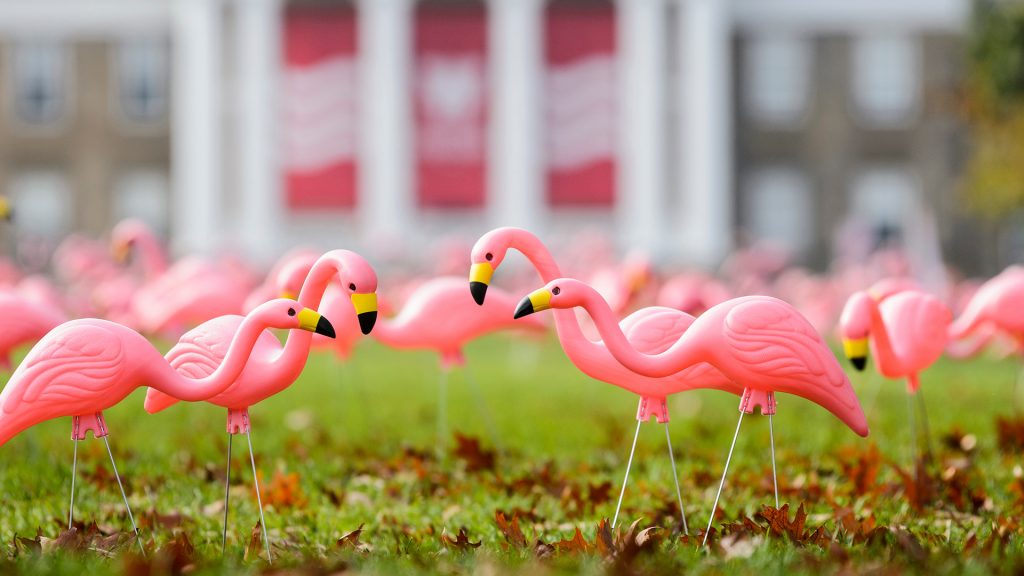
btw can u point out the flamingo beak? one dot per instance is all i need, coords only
(312, 321)
(6, 213)
(121, 252)
(289, 295)
(479, 278)
(366, 310)
(536, 301)
(856, 350)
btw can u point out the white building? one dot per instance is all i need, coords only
(390, 123)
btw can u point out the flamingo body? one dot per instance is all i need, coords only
(995, 307)
(441, 316)
(758, 342)
(24, 322)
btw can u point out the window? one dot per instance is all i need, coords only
(43, 202)
(882, 201)
(886, 80)
(142, 77)
(143, 194)
(777, 70)
(779, 208)
(40, 78)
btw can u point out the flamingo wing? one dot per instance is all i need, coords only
(654, 329)
(200, 351)
(80, 367)
(781, 351)
(917, 325)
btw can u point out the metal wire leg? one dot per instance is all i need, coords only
(913, 430)
(482, 406)
(227, 500)
(442, 412)
(629, 464)
(925, 429)
(728, 459)
(675, 476)
(74, 469)
(123, 495)
(259, 500)
(775, 477)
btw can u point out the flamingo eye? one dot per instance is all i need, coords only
(489, 256)
(556, 290)
(291, 311)
(352, 287)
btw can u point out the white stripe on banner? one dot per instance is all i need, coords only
(319, 108)
(580, 108)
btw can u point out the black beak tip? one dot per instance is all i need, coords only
(525, 308)
(478, 290)
(859, 363)
(366, 321)
(324, 327)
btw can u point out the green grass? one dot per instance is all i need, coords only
(360, 440)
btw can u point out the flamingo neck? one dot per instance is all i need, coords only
(676, 358)
(574, 342)
(287, 366)
(882, 343)
(165, 379)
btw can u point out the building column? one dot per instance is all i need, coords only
(705, 216)
(385, 156)
(515, 170)
(641, 73)
(259, 31)
(196, 160)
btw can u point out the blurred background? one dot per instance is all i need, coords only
(815, 130)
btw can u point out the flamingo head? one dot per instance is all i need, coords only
(488, 252)
(124, 236)
(855, 326)
(290, 315)
(355, 275)
(559, 293)
(365, 303)
(5, 209)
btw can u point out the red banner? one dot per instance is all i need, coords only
(580, 102)
(319, 97)
(450, 101)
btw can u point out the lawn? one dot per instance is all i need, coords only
(536, 451)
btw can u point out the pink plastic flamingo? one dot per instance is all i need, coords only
(759, 342)
(994, 309)
(648, 329)
(187, 293)
(440, 316)
(906, 329)
(271, 368)
(24, 322)
(84, 367)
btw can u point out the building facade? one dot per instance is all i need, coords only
(680, 127)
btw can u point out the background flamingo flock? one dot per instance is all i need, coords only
(654, 333)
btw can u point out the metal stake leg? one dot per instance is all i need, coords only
(728, 459)
(123, 495)
(925, 429)
(775, 477)
(482, 407)
(227, 501)
(442, 413)
(675, 476)
(259, 500)
(629, 464)
(74, 469)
